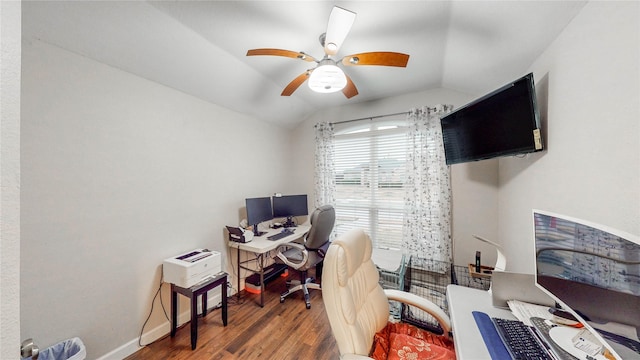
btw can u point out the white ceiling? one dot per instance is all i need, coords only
(199, 47)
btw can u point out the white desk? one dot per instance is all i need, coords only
(260, 246)
(466, 335)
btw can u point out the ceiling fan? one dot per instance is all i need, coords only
(327, 76)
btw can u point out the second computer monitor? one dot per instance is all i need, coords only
(289, 206)
(258, 210)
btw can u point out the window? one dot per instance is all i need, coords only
(370, 165)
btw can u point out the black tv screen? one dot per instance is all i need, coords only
(503, 122)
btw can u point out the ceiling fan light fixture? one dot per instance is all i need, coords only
(327, 78)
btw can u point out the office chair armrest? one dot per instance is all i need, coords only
(423, 304)
(286, 260)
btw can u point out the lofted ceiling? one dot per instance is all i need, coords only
(199, 47)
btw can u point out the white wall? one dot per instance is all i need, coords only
(474, 185)
(589, 80)
(119, 173)
(10, 33)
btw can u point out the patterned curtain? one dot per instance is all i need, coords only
(427, 215)
(325, 186)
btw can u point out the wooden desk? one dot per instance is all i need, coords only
(260, 246)
(192, 293)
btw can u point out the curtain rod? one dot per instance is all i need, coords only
(368, 118)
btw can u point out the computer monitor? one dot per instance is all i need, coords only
(289, 206)
(592, 271)
(258, 210)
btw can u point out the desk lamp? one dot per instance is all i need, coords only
(501, 262)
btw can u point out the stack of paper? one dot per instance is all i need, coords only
(525, 311)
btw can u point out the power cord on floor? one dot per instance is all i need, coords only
(231, 299)
(158, 292)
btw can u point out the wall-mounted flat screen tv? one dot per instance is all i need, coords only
(501, 123)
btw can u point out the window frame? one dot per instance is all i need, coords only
(373, 204)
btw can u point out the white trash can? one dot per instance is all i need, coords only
(72, 349)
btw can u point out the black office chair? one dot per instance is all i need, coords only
(303, 257)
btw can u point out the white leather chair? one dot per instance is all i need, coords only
(355, 303)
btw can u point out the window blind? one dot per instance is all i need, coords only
(370, 172)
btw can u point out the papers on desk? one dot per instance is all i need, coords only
(525, 311)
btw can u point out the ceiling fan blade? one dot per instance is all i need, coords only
(383, 58)
(279, 52)
(340, 22)
(350, 89)
(295, 84)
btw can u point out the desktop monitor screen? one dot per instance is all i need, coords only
(593, 271)
(258, 210)
(289, 206)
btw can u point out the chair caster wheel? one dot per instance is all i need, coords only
(308, 306)
(281, 299)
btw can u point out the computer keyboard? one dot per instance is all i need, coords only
(519, 340)
(280, 235)
(543, 328)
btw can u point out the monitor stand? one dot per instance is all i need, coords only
(257, 232)
(289, 223)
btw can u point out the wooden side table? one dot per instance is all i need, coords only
(192, 293)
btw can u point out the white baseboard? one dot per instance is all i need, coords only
(215, 299)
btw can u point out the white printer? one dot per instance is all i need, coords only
(192, 267)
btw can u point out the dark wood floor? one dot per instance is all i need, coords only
(277, 331)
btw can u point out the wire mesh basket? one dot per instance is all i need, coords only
(391, 267)
(429, 279)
